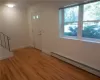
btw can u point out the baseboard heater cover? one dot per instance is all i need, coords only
(77, 64)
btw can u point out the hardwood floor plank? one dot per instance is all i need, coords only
(31, 64)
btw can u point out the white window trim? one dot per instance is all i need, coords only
(92, 21)
(80, 27)
(80, 22)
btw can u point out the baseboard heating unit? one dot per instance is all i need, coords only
(77, 64)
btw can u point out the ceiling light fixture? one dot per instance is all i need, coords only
(10, 5)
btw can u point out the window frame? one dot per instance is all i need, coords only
(80, 24)
(71, 37)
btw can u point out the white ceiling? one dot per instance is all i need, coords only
(40, 1)
(36, 1)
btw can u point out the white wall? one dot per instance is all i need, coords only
(85, 52)
(14, 23)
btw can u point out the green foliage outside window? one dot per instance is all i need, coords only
(88, 32)
(91, 21)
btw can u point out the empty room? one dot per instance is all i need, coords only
(49, 39)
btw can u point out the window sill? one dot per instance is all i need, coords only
(71, 38)
(90, 40)
(83, 39)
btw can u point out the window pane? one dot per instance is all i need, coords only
(70, 29)
(92, 11)
(91, 30)
(71, 14)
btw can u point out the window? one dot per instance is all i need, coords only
(82, 21)
(91, 20)
(71, 21)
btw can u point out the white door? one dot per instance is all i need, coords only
(37, 32)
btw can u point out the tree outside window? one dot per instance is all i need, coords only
(91, 20)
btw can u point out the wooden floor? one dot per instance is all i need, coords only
(31, 64)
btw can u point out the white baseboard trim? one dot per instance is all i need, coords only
(77, 64)
(46, 51)
(21, 47)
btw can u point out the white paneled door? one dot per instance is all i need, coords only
(37, 32)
